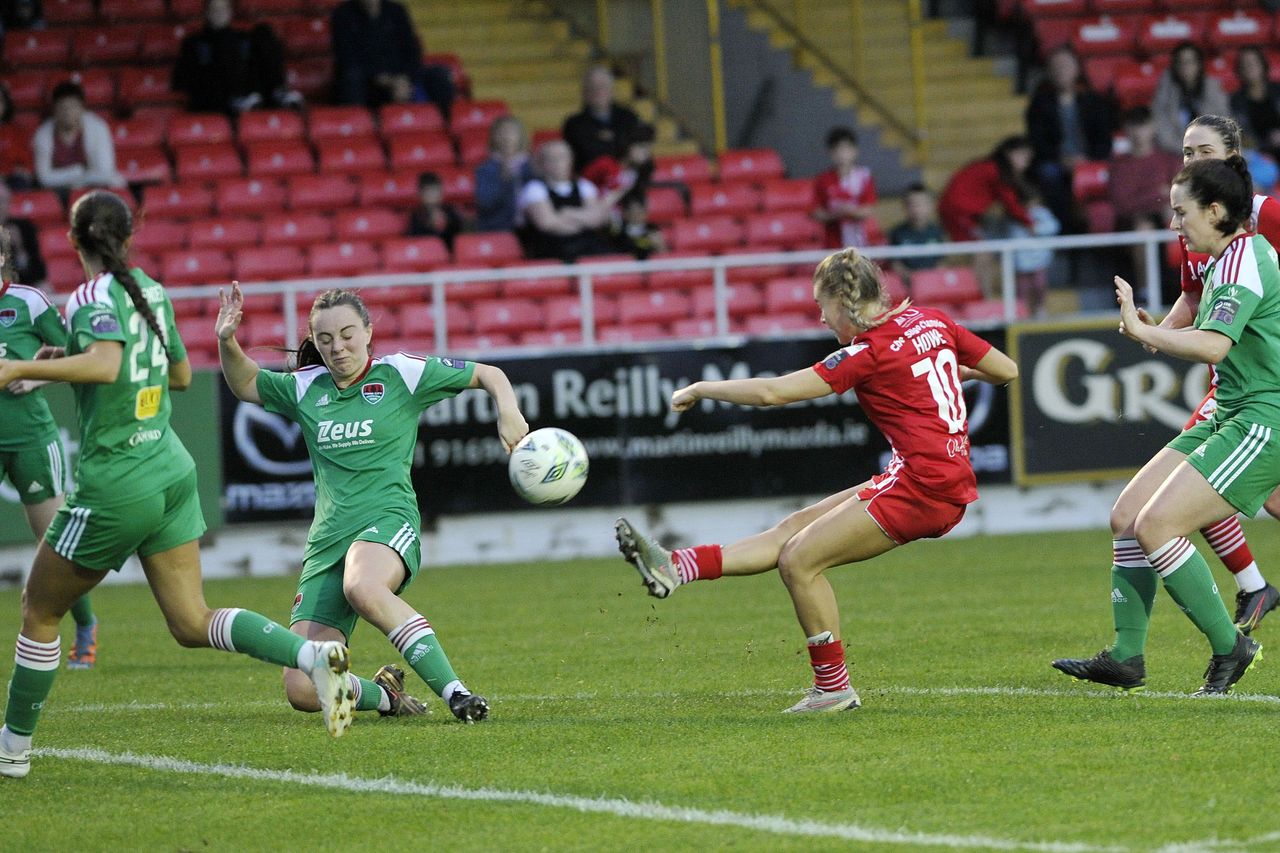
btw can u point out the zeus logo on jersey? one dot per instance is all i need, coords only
(8, 317)
(337, 431)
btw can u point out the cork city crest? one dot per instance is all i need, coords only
(8, 316)
(373, 392)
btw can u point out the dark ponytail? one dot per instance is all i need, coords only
(1226, 182)
(101, 225)
(307, 354)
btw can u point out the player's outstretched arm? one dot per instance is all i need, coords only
(98, 365)
(511, 423)
(758, 391)
(240, 371)
(179, 375)
(1206, 347)
(994, 367)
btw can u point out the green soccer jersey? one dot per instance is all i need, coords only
(127, 448)
(1242, 301)
(27, 321)
(361, 438)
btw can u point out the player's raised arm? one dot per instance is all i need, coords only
(994, 367)
(758, 391)
(240, 371)
(511, 423)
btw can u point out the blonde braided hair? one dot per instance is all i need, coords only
(855, 280)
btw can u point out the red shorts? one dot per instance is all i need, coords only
(1205, 410)
(907, 512)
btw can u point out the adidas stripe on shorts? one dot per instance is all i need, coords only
(1240, 459)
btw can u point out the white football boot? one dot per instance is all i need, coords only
(650, 559)
(329, 675)
(14, 763)
(817, 701)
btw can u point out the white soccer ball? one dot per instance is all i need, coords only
(548, 466)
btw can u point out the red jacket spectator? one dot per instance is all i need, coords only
(975, 188)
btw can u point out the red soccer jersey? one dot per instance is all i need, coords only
(857, 187)
(1266, 221)
(907, 377)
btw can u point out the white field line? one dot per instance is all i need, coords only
(1216, 844)
(615, 806)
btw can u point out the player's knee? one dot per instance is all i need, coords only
(299, 691)
(791, 569)
(1121, 520)
(1151, 531)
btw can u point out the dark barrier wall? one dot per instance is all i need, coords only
(1092, 404)
(617, 403)
(195, 418)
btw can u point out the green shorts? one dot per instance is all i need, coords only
(320, 597)
(36, 470)
(103, 537)
(1240, 459)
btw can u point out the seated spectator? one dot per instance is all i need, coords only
(560, 216)
(378, 58)
(602, 125)
(633, 172)
(73, 148)
(1184, 92)
(1256, 104)
(982, 196)
(432, 217)
(499, 178)
(21, 15)
(15, 147)
(1067, 122)
(920, 228)
(1031, 266)
(1138, 182)
(844, 195)
(225, 69)
(22, 256)
(633, 233)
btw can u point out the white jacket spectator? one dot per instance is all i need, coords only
(73, 149)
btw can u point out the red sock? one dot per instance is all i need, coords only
(1226, 538)
(829, 670)
(699, 563)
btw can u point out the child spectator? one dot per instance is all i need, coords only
(432, 217)
(633, 233)
(920, 228)
(225, 69)
(73, 149)
(1031, 266)
(500, 177)
(844, 194)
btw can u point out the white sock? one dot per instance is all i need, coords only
(307, 655)
(449, 689)
(384, 704)
(1249, 579)
(14, 742)
(821, 639)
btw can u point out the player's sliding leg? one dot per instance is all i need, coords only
(85, 652)
(1255, 597)
(385, 693)
(174, 576)
(372, 575)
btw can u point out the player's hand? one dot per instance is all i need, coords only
(511, 428)
(18, 387)
(230, 312)
(1130, 321)
(682, 399)
(47, 351)
(1150, 321)
(8, 372)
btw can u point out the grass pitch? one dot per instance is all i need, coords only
(621, 723)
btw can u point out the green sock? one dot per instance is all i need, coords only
(236, 630)
(35, 668)
(82, 612)
(417, 641)
(1191, 586)
(370, 695)
(1133, 591)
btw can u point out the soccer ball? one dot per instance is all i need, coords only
(548, 466)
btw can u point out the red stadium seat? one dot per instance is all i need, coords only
(116, 43)
(766, 325)
(270, 263)
(614, 282)
(42, 207)
(538, 288)
(411, 119)
(791, 294)
(945, 286)
(744, 299)
(475, 115)
(196, 331)
(1223, 69)
(687, 279)
(138, 132)
(1034, 9)
(160, 42)
(420, 319)
(306, 37)
(1089, 180)
(99, 85)
(895, 286)
(225, 233)
(178, 201)
(780, 194)
(1104, 34)
(28, 88)
(709, 234)
(990, 311)
(150, 85)
(320, 192)
(492, 249)
(368, 224)
(263, 329)
(750, 164)
(665, 205)
(255, 8)
(473, 147)
(736, 199)
(68, 11)
(208, 162)
(311, 77)
(481, 343)
(565, 312)
(1120, 7)
(264, 125)
(413, 254)
(199, 129)
(204, 266)
(65, 273)
(160, 235)
(24, 49)
(468, 291)
(359, 154)
(298, 229)
(453, 62)
(459, 184)
(558, 339)
(1240, 29)
(782, 230)
(279, 158)
(682, 168)
(122, 193)
(757, 273)
(1159, 35)
(1100, 217)
(545, 134)
(339, 123)
(334, 260)
(1101, 71)
(131, 10)
(249, 196)
(143, 166)
(697, 327)
(633, 333)
(1135, 83)
(430, 151)
(398, 190)
(507, 316)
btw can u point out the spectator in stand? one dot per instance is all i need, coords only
(1031, 266)
(920, 228)
(602, 126)
(378, 58)
(633, 233)
(499, 178)
(1256, 104)
(24, 249)
(560, 216)
(226, 69)
(1138, 182)
(432, 217)
(21, 15)
(1184, 92)
(15, 147)
(844, 195)
(1067, 122)
(73, 148)
(634, 172)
